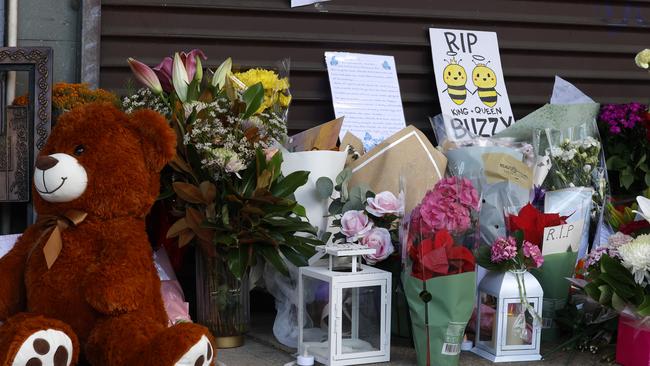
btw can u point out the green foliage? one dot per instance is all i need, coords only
(253, 97)
(254, 215)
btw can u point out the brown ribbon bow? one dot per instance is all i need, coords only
(55, 225)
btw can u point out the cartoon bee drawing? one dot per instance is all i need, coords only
(455, 77)
(485, 81)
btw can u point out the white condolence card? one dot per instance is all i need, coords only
(366, 92)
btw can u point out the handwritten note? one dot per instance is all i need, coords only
(469, 81)
(366, 92)
(296, 3)
(558, 239)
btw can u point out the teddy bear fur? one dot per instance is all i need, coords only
(103, 290)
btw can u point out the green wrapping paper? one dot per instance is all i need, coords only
(552, 277)
(439, 325)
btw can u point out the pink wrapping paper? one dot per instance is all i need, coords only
(177, 309)
(633, 343)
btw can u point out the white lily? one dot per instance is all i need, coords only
(179, 78)
(644, 207)
(219, 78)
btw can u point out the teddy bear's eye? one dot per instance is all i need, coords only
(79, 150)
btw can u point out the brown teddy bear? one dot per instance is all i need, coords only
(81, 284)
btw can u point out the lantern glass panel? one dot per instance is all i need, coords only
(488, 319)
(361, 319)
(315, 333)
(513, 336)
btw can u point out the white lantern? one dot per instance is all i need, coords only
(505, 331)
(344, 312)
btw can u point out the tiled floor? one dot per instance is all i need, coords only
(261, 349)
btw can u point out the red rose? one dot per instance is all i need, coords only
(532, 222)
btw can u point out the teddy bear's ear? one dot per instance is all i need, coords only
(158, 139)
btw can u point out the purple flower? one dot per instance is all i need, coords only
(503, 249)
(379, 239)
(532, 251)
(164, 69)
(145, 75)
(355, 225)
(594, 256)
(622, 116)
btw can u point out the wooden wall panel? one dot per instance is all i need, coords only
(590, 43)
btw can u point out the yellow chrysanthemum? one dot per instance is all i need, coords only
(275, 88)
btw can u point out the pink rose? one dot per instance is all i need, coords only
(379, 239)
(355, 225)
(384, 203)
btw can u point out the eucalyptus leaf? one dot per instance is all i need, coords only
(336, 207)
(324, 187)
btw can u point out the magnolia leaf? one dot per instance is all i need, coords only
(293, 256)
(194, 218)
(324, 187)
(272, 256)
(253, 97)
(238, 261)
(208, 191)
(178, 164)
(176, 228)
(185, 238)
(289, 184)
(299, 210)
(219, 78)
(188, 192)
(626, 179)
(265, 179)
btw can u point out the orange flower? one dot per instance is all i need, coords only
(66, 96)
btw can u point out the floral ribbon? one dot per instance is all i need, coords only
(52, 226)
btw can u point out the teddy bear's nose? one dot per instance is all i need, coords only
(45, 162)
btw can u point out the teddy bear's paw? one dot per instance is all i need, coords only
(200, 354)
(45, 348)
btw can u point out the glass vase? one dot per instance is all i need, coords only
(222, 300)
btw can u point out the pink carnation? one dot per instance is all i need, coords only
(532, 251)
(503, 249)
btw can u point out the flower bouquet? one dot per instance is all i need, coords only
(226, 184)
(515, 255)
(439, 279)
(619, 124)
(618, 276)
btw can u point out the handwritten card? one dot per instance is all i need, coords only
(558, 239)
(469, 81)
(297, 3)
(366, 92)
